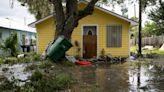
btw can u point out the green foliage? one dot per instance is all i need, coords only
(45, 83)
(33, 56)
(11, 43)
(40, 8)
(10, 60)
(7, 86)
(31, 67)
(157, 16)
(155, 51)
(29, 57)
(46, 64)
(67, 64)
(1, 60)
(37, 75)
(151, 29)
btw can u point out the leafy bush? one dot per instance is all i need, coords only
(11, 44)
(36, 76)
(36, 57)
(46, 83)
(67, 64)
(31, 67)
(10, 60)
(7, 86)
(45, 64)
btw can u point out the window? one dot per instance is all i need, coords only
(114, 36)
(89, 30)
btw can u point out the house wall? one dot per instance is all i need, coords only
(99, 18)
(5, 33)
(46, 34)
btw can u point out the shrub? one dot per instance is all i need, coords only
(11, 44)
(45, 64)
(48, 83)
(36, 76)
(7, 86)
(31, 67)
(67, 63)
(10, 60)
(36, 57)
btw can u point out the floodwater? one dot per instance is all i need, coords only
(132, 76)
(127, 77)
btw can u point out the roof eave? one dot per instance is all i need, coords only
(33, 24)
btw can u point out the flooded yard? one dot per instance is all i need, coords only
(128, 77)
(131, 76)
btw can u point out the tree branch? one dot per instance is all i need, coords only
(88, 10)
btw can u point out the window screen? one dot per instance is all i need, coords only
(114, 36)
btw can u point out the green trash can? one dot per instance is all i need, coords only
(58, 48)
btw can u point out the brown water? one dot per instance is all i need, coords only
(127, 77)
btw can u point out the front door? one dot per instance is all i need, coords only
(89, 41)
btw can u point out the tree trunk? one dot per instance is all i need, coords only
(140, 28)
(67, 21)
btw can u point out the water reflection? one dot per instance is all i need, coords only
(117, 78)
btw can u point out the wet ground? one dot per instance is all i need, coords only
(128, 77)
(132, 76)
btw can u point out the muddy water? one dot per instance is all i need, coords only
(127, 77)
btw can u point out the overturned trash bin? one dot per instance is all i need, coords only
(58, 48)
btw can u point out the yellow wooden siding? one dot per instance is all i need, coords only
(99, 18)
(45, 32)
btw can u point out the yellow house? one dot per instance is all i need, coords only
(103, 31)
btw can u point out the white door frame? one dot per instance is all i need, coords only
(82, 32)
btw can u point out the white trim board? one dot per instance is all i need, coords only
(82, 32)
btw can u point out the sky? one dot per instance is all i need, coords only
(17, 13)
(20, 14)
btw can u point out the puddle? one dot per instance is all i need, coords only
(119, 78)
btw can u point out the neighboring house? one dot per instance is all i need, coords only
(102, 31)
(26, 35)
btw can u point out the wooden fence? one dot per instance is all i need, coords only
(155, 41)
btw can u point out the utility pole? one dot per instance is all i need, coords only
(25, 21)
(135, 10)
(140, 28)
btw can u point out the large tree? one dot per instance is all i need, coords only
(66, 13)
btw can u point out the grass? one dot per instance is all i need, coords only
(45, 83)
(30, 57)
(155, 51)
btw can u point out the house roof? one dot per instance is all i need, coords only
(10, 24)
(132, 22)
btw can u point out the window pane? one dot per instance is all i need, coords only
(114, 36)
